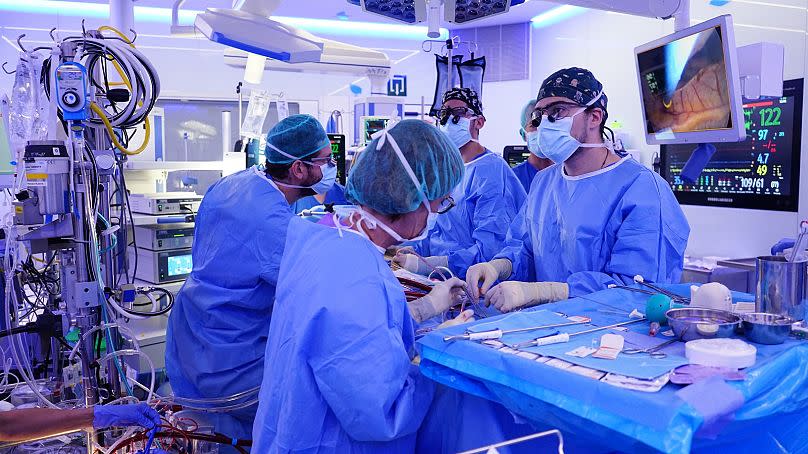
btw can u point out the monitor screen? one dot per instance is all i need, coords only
(338, 153)
(179, 265)
(371, 125)
(515, 154)
(689, 85)
(761, 172)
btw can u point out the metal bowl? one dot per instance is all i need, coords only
(691, 323)
(769, 329)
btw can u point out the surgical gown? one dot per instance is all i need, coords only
(487, 200)
(344, 337)
(524, 173)
(597, 229)
(217, 329)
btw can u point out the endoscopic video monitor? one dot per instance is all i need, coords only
(762, 172)
(690, 88)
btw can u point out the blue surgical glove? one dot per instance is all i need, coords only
(782, 245)
(125, 415)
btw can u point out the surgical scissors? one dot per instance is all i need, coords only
(653, 352)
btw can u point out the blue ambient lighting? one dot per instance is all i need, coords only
(556, 15)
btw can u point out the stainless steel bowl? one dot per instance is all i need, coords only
(692, 323)
(769, 329)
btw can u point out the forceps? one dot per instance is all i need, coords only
(653, 352)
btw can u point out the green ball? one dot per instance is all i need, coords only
(655, 308)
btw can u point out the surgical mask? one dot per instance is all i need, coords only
(328, 171)
(459, 133)
(555, 141)
(533, 144)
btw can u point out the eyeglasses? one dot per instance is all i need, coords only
(457, 112)
(554, 112)
(331, 162)
(445, 205)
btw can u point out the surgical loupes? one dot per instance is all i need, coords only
(565, 337)
(498, 333)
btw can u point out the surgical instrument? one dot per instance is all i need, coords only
(633, 314)
(565, 337)
(653, 352)
(632, 289)
(799, 245)
(640, 280)
(498, 333)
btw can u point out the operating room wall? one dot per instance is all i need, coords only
(604, 42)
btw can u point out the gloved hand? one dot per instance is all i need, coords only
(413, 264)
(464, 317)
(782, 245)
(511, 295)
(125, 415)
(443, 296)
(487, 273)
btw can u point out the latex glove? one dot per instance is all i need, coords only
(464, 317)
(125, 415)
(443, 296)
(413, 264)
(511, 295)
(483, 275)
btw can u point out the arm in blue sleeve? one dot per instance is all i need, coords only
(363, 370)
(650, 241)
(497, 200)
(519, 248)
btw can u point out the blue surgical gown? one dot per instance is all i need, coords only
(597, 229)
(487, 200)
(217, 329)
(335, 195)
(525, 173)
(338, 375)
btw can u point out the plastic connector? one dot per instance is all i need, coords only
(128, 293)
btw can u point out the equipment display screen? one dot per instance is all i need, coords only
(338, 153)
(374, 125)
(760, 172)
(179, 265)
(685, 85)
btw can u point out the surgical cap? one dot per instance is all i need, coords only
(468, 96)
(577, 84)
(379, 180)
(297, 135)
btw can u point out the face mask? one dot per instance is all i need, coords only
(327, 181)
(533, 144)
(458, 133)
(555, 141)
(328, 171)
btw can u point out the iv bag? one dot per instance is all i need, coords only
(257, 110)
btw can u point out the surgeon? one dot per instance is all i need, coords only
(338, 375)
(530, 134)
(486, 201)
(592, 219)
(218, 328)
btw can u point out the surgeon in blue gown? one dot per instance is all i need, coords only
(594, 218)
(338, 376)
(486, 201)
(217, 330)
(334, 196)
(530, 134)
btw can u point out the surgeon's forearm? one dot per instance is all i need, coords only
(31, 423)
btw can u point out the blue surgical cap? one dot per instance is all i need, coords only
(527, 112)
(379, 180)
(296, 135)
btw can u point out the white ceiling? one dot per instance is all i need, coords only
(328, 9)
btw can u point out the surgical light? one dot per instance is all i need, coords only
(455, 11)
